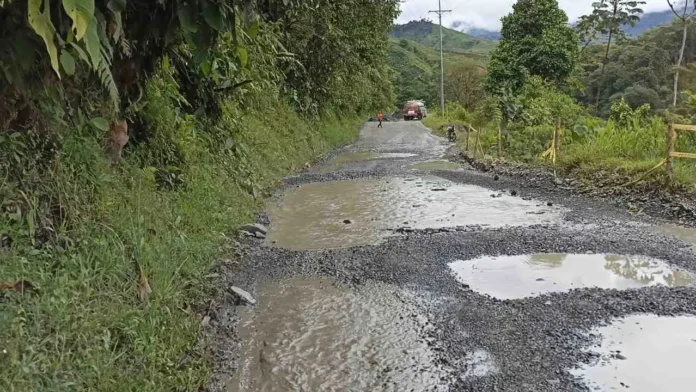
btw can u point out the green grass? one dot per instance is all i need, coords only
(609, 152)
(629, 152)
(85, 328)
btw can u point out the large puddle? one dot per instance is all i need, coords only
(343, 159)
(436, 165)
(510, 277)
(350, 213)
(309, 335)
(644, 353)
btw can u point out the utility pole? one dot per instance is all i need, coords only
(439, 12)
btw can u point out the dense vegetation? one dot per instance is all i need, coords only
(427, 34)
(414, 56)
(106, 245)
(613, 97)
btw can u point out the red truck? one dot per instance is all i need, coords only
(415, 110)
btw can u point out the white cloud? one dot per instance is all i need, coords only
(487, 13)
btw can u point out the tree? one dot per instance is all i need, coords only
(536, 41)
(609, 17)
(684, 17)
(341, 46)
(465, 84)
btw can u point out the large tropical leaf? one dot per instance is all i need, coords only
(39, 15)
(187, 18)
(68, 62)
(212, 15)
(82, 13)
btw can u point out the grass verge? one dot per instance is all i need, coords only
(85, 327)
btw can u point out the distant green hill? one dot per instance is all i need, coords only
(414, 55)
(414, 66)
(428, 34)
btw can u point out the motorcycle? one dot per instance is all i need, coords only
(451, 134)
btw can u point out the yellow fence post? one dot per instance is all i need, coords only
(478, 136)
(558, 135)
(671, 139)
(468, 132)
(500, 142)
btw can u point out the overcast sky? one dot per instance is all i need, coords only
(487, 13)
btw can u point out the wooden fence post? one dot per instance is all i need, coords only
(559, 134)
(500, 142)
(478, 135)
(671, 139)
(468, 129)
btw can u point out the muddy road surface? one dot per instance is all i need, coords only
(388, 267)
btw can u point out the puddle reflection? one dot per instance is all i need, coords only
(510, 277)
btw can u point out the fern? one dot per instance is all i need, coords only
(88, 29)
(100, 54)
(107, 80)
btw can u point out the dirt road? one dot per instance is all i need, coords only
(386, 268)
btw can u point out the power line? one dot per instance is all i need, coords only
(440, 12)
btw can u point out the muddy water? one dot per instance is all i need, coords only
(351, 213)
(509, 277)
(686, 234)
(644, 353)
(436, 165)
(343, 159)
(310, 335)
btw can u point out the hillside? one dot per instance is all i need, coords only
(428, 34)
(414, 66)
(414, 56)
(650, 20)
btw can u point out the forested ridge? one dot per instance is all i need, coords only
(135, 137)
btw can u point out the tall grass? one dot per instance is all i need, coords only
(636, 142)
(629, 150)
(85, 328)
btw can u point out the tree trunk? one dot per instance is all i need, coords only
(601, 77)
(679, 63)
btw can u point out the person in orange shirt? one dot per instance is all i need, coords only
(379, 118)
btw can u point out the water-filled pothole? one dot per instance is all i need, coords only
(343, 159)
(436, 165)
(308, 334)
(645, 353)
(510, 277)
(686, 234)
(351, 213)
